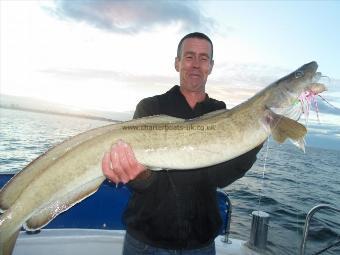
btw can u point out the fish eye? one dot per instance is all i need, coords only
(299, 74)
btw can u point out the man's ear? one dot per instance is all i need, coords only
(177, 64)
(211, 66)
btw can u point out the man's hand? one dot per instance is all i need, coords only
(120, 164)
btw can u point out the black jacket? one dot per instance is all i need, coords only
(178, 209)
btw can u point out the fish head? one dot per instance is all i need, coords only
(299, 80)
(286, 91)
(306, 72)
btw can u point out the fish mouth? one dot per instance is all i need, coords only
(309, 70)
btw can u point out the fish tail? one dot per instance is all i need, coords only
(282, 128)
(7, 246)
(8, 233)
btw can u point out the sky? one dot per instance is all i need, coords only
(108, 55)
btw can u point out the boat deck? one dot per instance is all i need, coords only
(91, 241)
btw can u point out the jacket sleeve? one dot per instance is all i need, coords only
(225, 173)
(146, 107)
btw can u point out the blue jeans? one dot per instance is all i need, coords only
(135, 247)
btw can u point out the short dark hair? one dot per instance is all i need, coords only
(194, 35)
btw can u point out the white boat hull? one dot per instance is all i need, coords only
(92, 241)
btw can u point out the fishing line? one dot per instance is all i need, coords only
(263, 173)
(326, 101)
(302, 103)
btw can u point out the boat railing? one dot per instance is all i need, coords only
(228, 212)
(309, 216)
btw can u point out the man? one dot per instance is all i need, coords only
(176, 210)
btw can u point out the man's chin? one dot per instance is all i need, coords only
(196, 86)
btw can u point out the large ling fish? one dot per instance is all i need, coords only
(71, 171)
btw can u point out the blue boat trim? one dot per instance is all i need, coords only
(105, 208)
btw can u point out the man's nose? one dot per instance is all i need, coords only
(196, 63)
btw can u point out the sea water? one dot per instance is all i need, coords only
(284, 182)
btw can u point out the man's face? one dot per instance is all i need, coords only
(195, 64)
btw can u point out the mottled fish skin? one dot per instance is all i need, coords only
(159, 142)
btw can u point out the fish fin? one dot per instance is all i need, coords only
(162, 118)
(211, 114)
(293, 112)
(283, 128)
(300, 143)
(42, 217)
(7, 246)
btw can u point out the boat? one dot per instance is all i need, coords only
(94, 226)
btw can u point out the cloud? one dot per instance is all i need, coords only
(87, 74)
(235, 82)
(133, 16)
(248, 75)
(240, 81)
